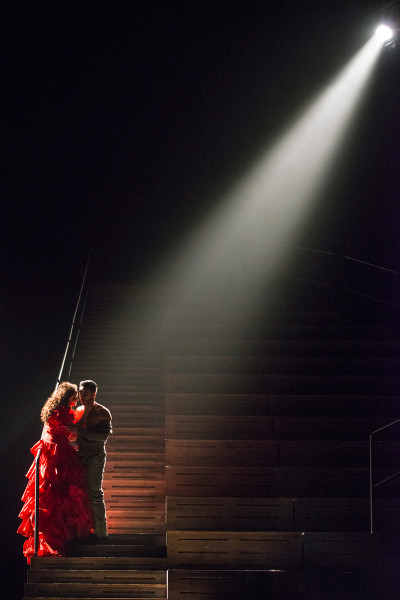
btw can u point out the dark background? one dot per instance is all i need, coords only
(124, 122)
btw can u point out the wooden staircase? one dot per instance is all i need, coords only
(239, 462)
(128, 566)
(120, 347)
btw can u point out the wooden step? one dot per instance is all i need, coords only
(116, 488)
(231, 317)
(283, 453)
(133, 419)
(218, 427)
(138, 381)
(121, 493)
(328, 482)
(335, 550)
(120, 396)
(221, 452)
(326, 428)
(324, 482)
(215, 404)
(328, 405)
(280, 365)
(105, 576)
(99, 562)
(138, 443)
(143, 468)
(223, 481)
(191, 427)
(189, 346)
(229, 550)
(278, 384)
(281, 332)
(93, 590)
(345, 514)
(120, 372)
(280, 514)
(141, 544)
(138, 524)
(269, 550)
(202, 584)
(280, 404)
(135, 411)
(230, 514)
(140, 432)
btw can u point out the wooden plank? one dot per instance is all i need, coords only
(125, 499)
(234, 549)
(137, 457)
(97, 562)
(225, 481)
(138, 526)
(327, 482)
(147, 443)
(387, 515)
(202, 346)
(108, 576)
(218, 427)
(325, 428)
(91, 590)
(117, 517)
(327, 348)
(124, 430)
(207, 585)
(234, 585)
(281, 331)
(214, 384)
(230, 514)
(221, 452)
(331, 365)
(322, 384)
(137, 470)
(333, 550)
(331, 514)
(213, 316)
(131, 478)
(215, 404)
(326, 453)
(211, 364)
(125, 487)
(133, 419)
(331, 405)
(333, 453)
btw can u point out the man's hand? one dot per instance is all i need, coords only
(73, 432)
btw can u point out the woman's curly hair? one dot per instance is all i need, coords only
(60, 397)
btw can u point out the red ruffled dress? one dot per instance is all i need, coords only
(64, 506)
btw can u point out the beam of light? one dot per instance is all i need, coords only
(271, 203)
(384, 33)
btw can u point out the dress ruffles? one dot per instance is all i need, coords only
(64, 507)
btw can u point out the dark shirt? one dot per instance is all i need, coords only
(93, 437)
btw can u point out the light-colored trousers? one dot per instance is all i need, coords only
(94, 464)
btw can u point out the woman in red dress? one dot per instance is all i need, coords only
(64, 507)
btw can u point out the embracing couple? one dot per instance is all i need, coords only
(71, 467)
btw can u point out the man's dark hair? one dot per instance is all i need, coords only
(89, 384)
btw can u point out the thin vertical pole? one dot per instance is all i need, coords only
(73, 319)
(371, 487)
(36, 532)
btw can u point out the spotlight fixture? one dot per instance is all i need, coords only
(384, 33)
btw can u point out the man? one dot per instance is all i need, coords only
(93, 428)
